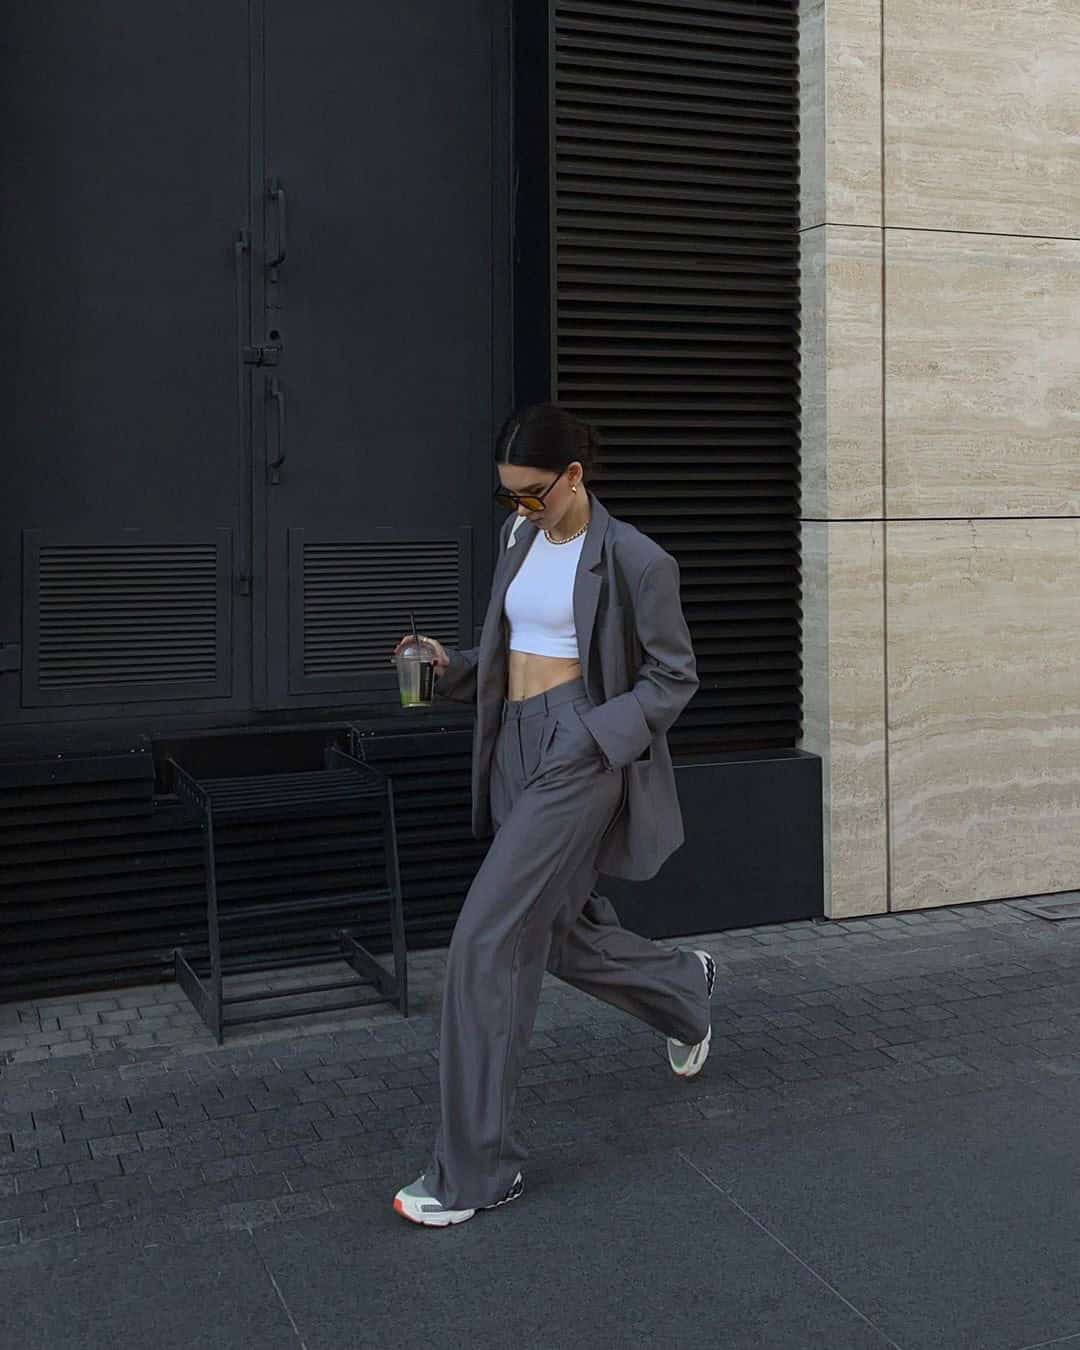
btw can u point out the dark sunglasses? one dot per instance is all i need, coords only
(512, 500)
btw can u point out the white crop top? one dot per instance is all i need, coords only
(540, 600)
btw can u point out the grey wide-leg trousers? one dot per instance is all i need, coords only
(532, 908)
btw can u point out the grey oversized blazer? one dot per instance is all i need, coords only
(638, 665)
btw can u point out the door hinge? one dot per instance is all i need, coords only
(10, 656)
(243, 585)
(261, 356)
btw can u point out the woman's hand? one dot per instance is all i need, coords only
(442, 660)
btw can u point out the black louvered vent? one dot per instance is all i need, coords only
(674, 218)
(352, 602)
(116, 620)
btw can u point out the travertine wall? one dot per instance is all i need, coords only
(941, 441)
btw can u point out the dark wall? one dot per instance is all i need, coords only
(531, 223)
(258, 344)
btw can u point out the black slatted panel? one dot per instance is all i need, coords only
(356, 596)
(103, 619)
(70, 858)
(124, 619)
(674, 218)
(100, 881)
(350, 601)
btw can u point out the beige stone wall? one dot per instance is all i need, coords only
(941, 442)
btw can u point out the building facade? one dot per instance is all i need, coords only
(941, 475)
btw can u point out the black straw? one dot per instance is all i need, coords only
(416, 635)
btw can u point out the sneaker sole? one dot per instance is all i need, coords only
(696, 1063)
(452, 1216)
(443, 1221)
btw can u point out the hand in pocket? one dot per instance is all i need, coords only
(570, 739)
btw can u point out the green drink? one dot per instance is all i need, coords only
(416, 674)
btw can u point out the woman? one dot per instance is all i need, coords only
(584, 663)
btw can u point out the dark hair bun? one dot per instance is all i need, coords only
(547, 436)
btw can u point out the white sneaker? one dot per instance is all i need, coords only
(686, 1060)
(418, 1205)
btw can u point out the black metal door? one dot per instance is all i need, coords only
(124, 508)
(377, 281)
(254, 256)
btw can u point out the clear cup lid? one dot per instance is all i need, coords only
(422, 651)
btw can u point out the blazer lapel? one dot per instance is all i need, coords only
(492, 641)
(587, 580)
(509, 565)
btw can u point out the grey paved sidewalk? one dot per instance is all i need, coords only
(879, 1152)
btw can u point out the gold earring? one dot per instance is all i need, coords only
(574, 488)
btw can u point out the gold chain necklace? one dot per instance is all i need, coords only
(569, 538)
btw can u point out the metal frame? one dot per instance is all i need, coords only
(208, 996)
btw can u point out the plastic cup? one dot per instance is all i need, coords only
(416, 674)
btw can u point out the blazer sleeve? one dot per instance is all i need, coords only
(458, 680)
(625, 725)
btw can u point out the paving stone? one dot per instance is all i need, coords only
(226, 1169)
(35, 1138)
(947, 1064)
(397, 1097)
(226, 1107)
(110, 1146)
(129, 1189)
(249, 1214)
(328, 1073)
(147, 1139)
(142, 1040)
(51, 1224)
(316, 1178)
(54, 1154)
(335, 1127)
(97, 1216)
(19, 1206)
(173, 1179)
(149, 1163)
(184, 1114)
(84, 1130)
(275, 1160)
(302, 1206)
(259, 1186)
(43, 1178)
(72, 1049)
(94, 1169)
(322, 1154)
(134, 1122)
(366, 1085)
(78, 1019)
(25, 1160)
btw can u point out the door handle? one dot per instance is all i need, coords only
(275, 391)
(277, 192)
(241, 245)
